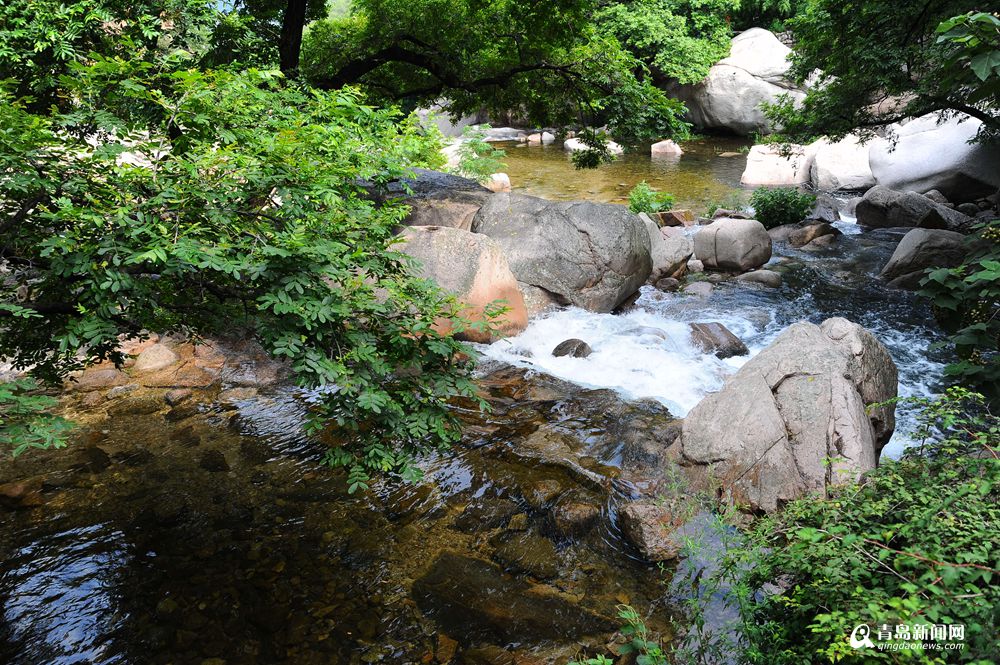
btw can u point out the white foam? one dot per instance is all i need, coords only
(629, 355)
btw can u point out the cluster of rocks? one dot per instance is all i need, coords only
(537, 254)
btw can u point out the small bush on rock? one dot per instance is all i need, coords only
(644, 198)
(781, 205)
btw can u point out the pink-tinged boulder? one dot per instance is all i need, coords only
(473, 267)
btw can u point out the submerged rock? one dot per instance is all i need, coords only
(767, 435)
(763, 277)
(452, 593)
(592, 255)
(528, 553)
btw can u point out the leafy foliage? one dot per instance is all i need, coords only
(477, 158)
(679, 40)
(639, 643)
(24, 419)
(546, 61)
(220, 203)
(967, 303)
(41, 39)
(919, 67)
(915, 543)
(644, 198)
(781, 205)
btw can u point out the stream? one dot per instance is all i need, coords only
(210, 533)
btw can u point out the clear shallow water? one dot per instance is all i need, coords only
(698, 178)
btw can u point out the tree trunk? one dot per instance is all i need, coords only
(290, 43)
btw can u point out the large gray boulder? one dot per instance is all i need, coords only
(670, 254)
(732, 95)
(472, 267)
(919, 250)
(882, 207)
(793, 420)
(436, 199)
(930, 154)
(592, 255)
(733, 244)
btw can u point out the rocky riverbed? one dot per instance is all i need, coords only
(192, 521)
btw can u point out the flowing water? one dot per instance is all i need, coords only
(210, 533)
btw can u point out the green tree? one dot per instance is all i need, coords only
(221, 202)
(547, 61)
(41, 39)
(679, 40)
(883, 61)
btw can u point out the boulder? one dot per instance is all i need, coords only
(732, 95)
(541, 138)
(717, 339)
(668, 284)
(882, 207)
(699, 289)
(777, 165)
(574, 348)
(592, 255)
(650, 527)
(919, 250)
(498, 182)
(474, 268)
(763, 277)
(155, 357)
(827, 209)
(931, 154)
(436, 199)
(841, 166)
(673, 218)
(666, 148)
(669, 254)
(733, 244)
(576, 145)
(796, 418)
(805, 234)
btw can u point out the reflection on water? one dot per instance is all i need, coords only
(700, 177)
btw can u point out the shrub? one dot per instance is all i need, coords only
(477, 158)
(781, 205)
(967, 303)
(644, 198)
